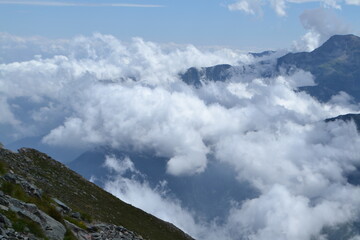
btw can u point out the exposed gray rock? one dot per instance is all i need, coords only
(76, 215)
(53, 229)
(4, 221)
(3, 202)
(28, 187)
(7, 234)
(102, 231)
(79, 233)
(110, 231)
(63, 206)
(2, 207)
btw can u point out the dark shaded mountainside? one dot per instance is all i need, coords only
(347, 118)
(193, 76)
(335, 66)
(41, 198)
(347, 230)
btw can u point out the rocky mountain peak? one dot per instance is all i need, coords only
(347, 42)
(338, 46)
(335, 65)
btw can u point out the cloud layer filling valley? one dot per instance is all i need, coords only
(91, 91)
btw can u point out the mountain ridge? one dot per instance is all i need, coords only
(335, 66)
(59, 182)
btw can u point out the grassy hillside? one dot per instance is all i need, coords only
(56, 180)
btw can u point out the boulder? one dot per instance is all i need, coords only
(62, 205)
(28, 187)
(4, 221)
(53, 229)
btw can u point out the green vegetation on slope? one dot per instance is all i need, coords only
(56, 180)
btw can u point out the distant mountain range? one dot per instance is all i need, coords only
(198, 76)
(335, 66)
(348, 117)
(193, 76)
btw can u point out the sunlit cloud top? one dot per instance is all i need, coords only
(255, 7)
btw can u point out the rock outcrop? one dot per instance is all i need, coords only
(41, 198)
(52, 229)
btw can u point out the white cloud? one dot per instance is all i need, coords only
(99, 91)
(353, 2)
(279, 7)
(320, 24)
(255, 6)
(101, 64)
(279, 214)
(135, 189)
(7, 117)
(248, 6)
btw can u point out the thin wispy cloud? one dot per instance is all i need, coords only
(74, 4)
(255, 7)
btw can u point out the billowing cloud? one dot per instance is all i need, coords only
(135, 189)
(91, 91)
(48, 70)
(254, 7)
(320, 24)
(353, 2)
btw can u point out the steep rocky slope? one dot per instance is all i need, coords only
(40, 198)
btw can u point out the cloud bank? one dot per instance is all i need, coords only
(91, 91)
(317, 23)
(254, 7)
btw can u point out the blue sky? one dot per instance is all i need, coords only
(199, 22)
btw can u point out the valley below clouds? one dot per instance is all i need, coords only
(269, 139)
